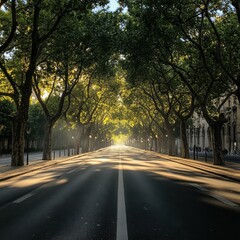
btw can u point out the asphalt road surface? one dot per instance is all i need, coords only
(119, 193)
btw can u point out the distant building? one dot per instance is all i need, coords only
(199, 133)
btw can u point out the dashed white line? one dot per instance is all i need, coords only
(23, 198)
(121, 208)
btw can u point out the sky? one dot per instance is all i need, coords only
(113, 5)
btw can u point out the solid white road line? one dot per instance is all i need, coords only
(71, 171)
(121, 208)
(198, 187)
(219, 198)
(23, 198)
(224, 200)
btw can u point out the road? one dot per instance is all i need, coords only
(119, 193)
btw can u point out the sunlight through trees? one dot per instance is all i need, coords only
(90, 76)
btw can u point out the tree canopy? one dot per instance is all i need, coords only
(137, 73)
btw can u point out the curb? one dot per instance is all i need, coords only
(201, 166)
(34, 167)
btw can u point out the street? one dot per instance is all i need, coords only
(119, 193)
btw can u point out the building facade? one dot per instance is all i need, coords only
(199, 132)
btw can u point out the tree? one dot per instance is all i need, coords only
(37, 21)
(145, 121)
(182, 35)
(55, 79)
(198, 68)
(18, 61)
(100, 34)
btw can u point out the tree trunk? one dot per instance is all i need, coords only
(79, 137)
(184, 142)
(18, 127)
(217, 143)
(47, 146)
(171, 141)
(155, 144)
(85, 144)
(159, 149)
(161, 142)
(85, 140)
(18, 141)
(77, 146)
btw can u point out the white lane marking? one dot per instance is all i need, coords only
(224, 200)
(71, 171)
(198, 187)
(121, 207)
(23, 198)
(219, 198)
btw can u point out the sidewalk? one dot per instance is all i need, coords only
(7, 171)
(230, 170)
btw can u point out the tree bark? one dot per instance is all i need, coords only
(18, 127)
(184, 142)
(77, 145)
(18, 141)
(217, 143)
(171, 141)
(85, 140)
(85, 144)
(79, 137)
(47, 147)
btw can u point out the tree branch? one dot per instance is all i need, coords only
(13, 28)
(10, 79)
(219, 44)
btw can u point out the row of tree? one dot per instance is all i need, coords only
(178, 57)
(62, 55)
(183, 56)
